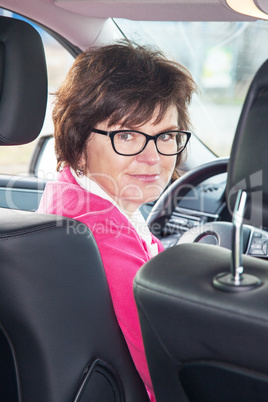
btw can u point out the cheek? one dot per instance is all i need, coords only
(105, 161)
(109, 173)
(169, 165)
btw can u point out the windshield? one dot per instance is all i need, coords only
(222, 58)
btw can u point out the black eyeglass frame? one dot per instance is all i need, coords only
(148, 137)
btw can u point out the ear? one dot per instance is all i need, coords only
(82, 161)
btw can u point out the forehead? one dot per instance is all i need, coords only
(156, 119)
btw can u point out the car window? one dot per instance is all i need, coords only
(219, 55)
(222, 58)
(16, 159)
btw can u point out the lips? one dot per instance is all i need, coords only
(146, 178)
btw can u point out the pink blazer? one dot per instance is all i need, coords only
(122, 251)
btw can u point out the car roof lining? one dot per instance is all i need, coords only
(92, 17)
(210, 10)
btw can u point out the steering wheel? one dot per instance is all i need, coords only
(218, 233)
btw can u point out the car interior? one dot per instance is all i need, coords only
(202, 302)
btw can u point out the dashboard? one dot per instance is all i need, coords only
(202, 204)
(188, 212)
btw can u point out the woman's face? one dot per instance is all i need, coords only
(131, 180)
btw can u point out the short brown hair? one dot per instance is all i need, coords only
(119, 83)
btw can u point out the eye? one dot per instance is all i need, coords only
(165, 137)
(125, 136)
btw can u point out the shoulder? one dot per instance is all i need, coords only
(66, 197)
(105, 220)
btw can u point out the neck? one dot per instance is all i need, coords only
(128, 207)
(125, 205)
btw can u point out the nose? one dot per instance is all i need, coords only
(149, 155)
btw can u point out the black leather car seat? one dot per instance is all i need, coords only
(204, 343)
(59, 337)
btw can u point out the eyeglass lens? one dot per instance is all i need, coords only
(168, 143)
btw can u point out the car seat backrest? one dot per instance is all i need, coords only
(202, 343)
(248, 165)
(57, 315)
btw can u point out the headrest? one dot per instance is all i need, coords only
(248, 165)
(23, 82)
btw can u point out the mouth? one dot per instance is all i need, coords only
(146, 178)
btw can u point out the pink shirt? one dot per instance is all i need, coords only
(122, 251)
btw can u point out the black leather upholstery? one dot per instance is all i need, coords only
(23, 82)
(57, 315)
(248, 166)
(188, 324)
(59, 337)
(204, 344)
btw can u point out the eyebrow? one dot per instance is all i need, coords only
(170, 128)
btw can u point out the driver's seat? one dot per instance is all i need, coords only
(206, 340)
(59, 337)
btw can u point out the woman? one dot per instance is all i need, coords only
(118, 118)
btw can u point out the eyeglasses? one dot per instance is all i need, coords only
(130, 143)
